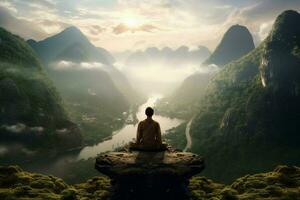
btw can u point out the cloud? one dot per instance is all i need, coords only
(68, 65)
(21, 27)
(95, 29)
(3, 150)
(257, 16)
(268, 9)
(139, 43)
(189, 22)
(9, 6)
(17, 128)
(20, 128)
(264, 29)
(122, 28)
(37, 3)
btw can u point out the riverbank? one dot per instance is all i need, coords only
(128, 132)
(75, 166)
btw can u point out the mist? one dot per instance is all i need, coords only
(160, 71)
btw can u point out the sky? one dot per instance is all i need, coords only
(120, 25)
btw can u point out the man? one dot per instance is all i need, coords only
(148, 134)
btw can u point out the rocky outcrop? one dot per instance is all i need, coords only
(148, 175)
(279, 69)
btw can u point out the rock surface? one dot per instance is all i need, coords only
(149, 175)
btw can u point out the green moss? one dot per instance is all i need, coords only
(269, 186)
(18, 184)
(69, 194)
(257, 186)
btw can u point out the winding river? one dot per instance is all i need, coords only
(188, 136)
(128, 132)
(63, 164)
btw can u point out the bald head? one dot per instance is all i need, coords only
(149, 112)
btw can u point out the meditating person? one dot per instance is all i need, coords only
(148, 134)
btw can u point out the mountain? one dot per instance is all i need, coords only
(236, 42)
(31, 109)
(249, 119)
(92, 100)
(167, 56)
(73, 46)
(183, 101)
(96, 94)
(59, 46)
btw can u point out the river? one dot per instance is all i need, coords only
(188, 136)
(64, 164)
(128, 132)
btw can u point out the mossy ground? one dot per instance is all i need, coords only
(18, 184)
(281, 184)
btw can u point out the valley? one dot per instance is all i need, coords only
(223, 90)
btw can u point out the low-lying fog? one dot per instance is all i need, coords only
(161, 70)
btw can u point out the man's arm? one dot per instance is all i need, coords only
(158, 136)
(139, 134)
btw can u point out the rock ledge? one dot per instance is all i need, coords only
(148, 175)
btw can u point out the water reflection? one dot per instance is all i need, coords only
(128, 132)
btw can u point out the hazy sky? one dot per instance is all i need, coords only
(118, 25)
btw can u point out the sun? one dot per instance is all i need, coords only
(132, 22)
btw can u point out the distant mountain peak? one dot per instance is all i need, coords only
(72, 44)
(152, 49)
(236, 42)
(31, 42)
(280, 59)
(286, 25)
(72, 29)
(182, 48)
(288, 14)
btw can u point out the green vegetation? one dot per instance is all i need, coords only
(28, 101)
(282, 183)
(15, 51)
(95, 93)
(176, 136)
(18, 184)
(92, 101)
(184, 101)
(249, 119)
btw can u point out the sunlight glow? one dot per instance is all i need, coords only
(132, 22)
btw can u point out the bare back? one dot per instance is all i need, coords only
(149, 132)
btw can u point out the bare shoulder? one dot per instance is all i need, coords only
(142, 122)
(156, 123)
